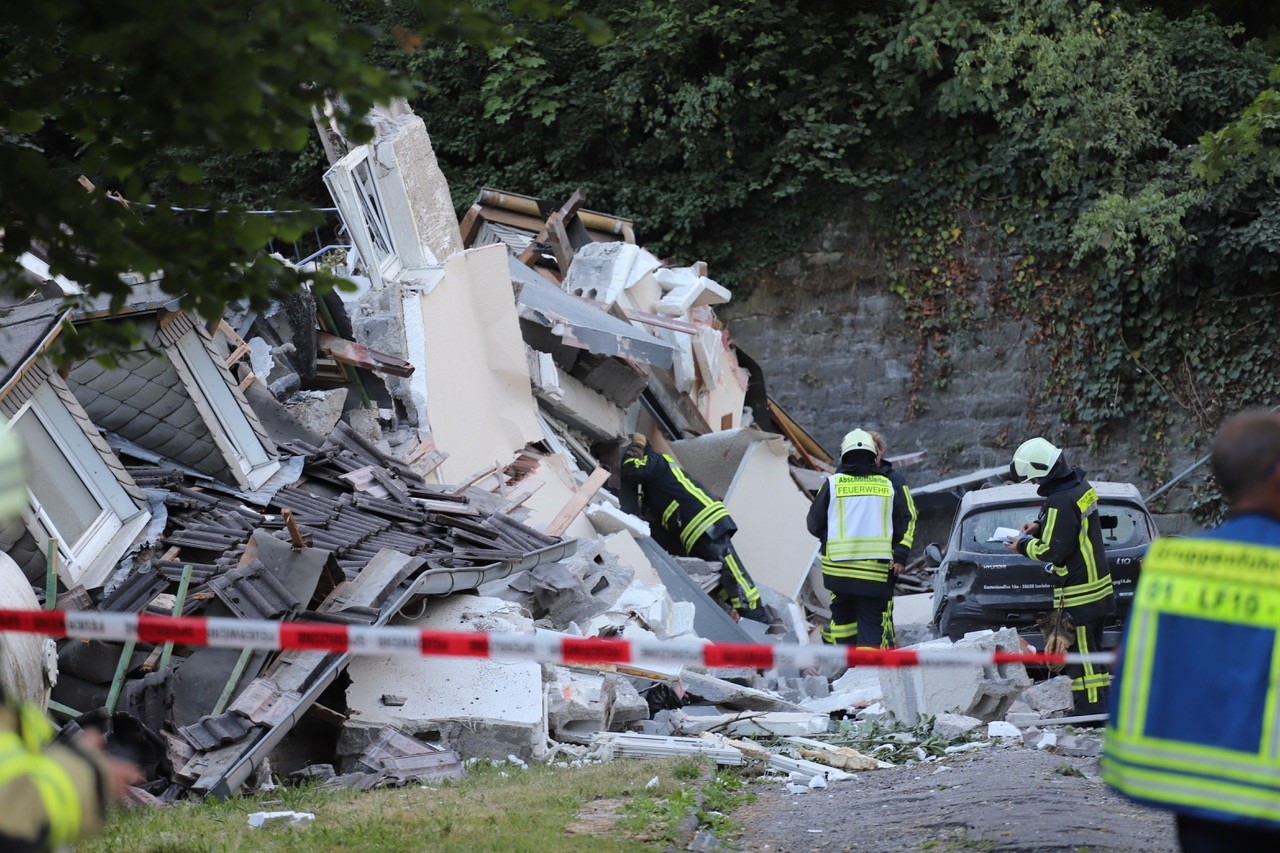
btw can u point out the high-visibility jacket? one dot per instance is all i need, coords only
(683, 507)
(860, 517)
(1071, 539)
(50, 794)
(1195, 718)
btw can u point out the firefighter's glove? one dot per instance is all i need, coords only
(1059, 632)
(637, 446)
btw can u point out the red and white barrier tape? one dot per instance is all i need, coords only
(228, 633)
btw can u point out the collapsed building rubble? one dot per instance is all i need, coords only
(432, 448)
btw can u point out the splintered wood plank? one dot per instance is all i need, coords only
(577, 503)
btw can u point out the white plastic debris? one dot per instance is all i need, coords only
(817, 782)
(793, 788)
(259, 819)
(1001, 729)
(518, 762)
(652, 783)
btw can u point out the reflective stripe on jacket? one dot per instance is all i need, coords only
(860, 534)
(1195, 720)
(1071, 539)
(680, 503)
(52, 794)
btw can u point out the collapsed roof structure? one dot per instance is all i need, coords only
(364, 457)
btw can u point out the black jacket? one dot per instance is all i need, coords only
(668, 496)
(1079, 560)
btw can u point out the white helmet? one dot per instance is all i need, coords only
(858, 439)
(1033, 459)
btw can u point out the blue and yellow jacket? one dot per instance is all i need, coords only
(1194, 723)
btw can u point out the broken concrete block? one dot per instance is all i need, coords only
(476, 707)
(952, 726)
(1022, 720)
(1079, 746)
(816, 687)
(579, 704)
(1052, 696)
(726, 694)
(1001, 729)
(601, 582)
(985, 692)
(318, 411)
(629, 706)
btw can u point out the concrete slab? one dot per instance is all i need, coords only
(985, 692)
(1050, 697)
(484, 708)
(479, 400)
(623, 545)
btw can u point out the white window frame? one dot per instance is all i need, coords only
(353, 184)
(251, 462)
(94, 554)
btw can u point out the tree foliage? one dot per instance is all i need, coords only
(138, 97)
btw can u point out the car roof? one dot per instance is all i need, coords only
(1026, 493)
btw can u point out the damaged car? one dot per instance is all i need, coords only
(978, 584)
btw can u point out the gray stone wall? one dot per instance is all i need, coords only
(837, 353)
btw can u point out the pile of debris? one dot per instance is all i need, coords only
(431, 448)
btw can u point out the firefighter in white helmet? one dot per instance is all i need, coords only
(1067, 536)
(861, 520)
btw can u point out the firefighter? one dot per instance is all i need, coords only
(1194, 726)
(50, 794)
(861, 519)
(687, 511)
(903, 546)
(1067, 537)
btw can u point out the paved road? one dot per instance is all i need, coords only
(1001, 799)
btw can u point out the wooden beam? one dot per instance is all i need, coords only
(566, 212)
(359, 355)
(577, 503)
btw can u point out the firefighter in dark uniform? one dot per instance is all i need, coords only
(692, 515)
(1067, 536)
(861, 519)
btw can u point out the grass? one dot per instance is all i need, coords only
(708, 795)
(529, 810)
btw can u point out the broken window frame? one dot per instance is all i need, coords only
(353, 185)
(253, 463)
(92, 555)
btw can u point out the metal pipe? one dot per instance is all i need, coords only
(232, 681)
(179, 600)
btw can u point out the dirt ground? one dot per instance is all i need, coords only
(1002, 799)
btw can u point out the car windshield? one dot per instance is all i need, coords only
(1122, 526)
